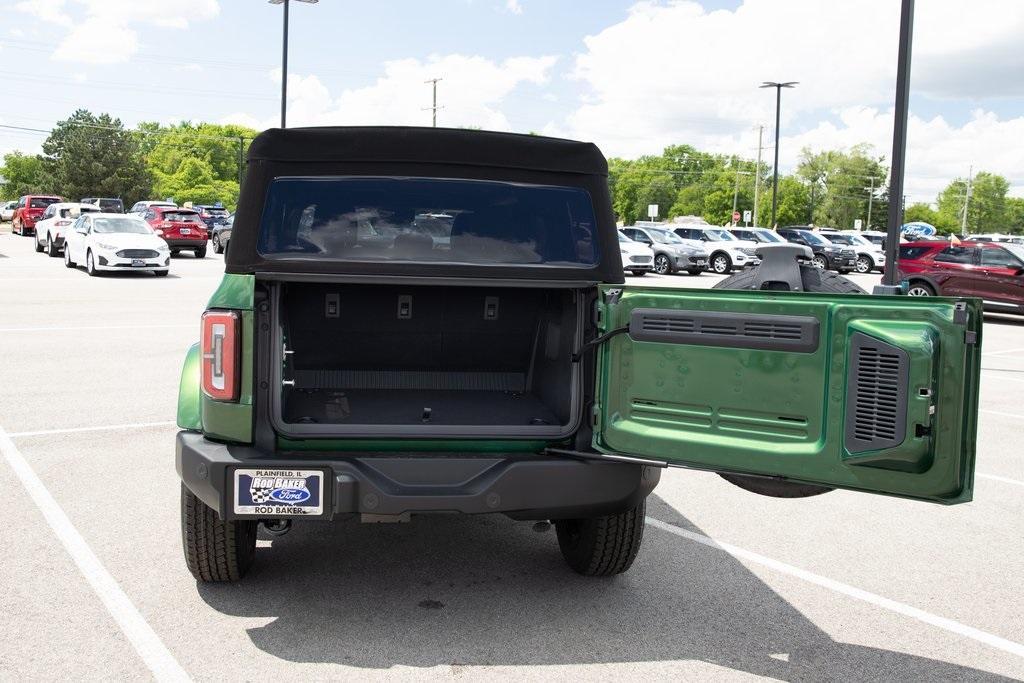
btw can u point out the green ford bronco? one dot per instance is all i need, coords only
(420, 321)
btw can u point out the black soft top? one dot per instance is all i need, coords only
(405, 144)
(420, 152)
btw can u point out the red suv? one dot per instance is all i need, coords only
(182, 229)
(991, 271)
(30, 209)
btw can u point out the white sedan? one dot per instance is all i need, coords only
(55, 222)
(115, 242)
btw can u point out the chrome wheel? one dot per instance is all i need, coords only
(721, 265)
(661, 264)
(920, 290)
(819, 262)
(864, 264)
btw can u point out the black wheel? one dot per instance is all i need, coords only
(174, 252)
(16, 228)
(695, 271)
(68, 263)
(812, 279)
(215, 550)
(843, 271)
(864, 264)
(602, 546)
(90, 265)
(39, 246)
(51, 248)
(200, 252)
(639, 273)
(161, 273)
(218, 249)
(920, 289)
(819, 262)
(662, 264)
(721, 264)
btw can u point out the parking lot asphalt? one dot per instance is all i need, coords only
(728, 585)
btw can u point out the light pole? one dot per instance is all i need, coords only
(778, 108)
(284, 54)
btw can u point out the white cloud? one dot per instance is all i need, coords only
(102, 30)
(673, 72)
(471, 92)
(514, 6)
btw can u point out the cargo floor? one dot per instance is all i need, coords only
(420, 406)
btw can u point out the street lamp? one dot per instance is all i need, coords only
(778, 107)
(284, 54)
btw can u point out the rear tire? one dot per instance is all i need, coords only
(215, 550)
(200, 252)
(920, 289)
(820, 263)
(161, 273)
(39, 246)
(51, 250)
(219, 249)
(812, 279)
(639, 273)
(602, 546)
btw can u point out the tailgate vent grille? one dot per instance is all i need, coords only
(735, 330)
(876, 395)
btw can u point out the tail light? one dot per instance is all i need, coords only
(220, 347)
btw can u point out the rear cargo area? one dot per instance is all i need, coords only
(427, 360)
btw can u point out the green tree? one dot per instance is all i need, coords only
(88, 155)
(841, 183)
(794, 200)
(922, 212)
(194, 181)
(22, 175)
(987, 208)
(1015, 215)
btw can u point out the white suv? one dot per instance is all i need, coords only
(726, 252)
(870, 256)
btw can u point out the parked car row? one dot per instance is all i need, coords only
(98, 234)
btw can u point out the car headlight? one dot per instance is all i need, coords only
(163, 247)
(831, 249)
(103, 245)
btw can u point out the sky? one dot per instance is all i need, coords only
(631, 77)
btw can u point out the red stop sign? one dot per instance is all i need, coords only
(735, 216)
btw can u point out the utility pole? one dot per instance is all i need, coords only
(967, 202)
(757, 173)
(434, 108)
(871, 197)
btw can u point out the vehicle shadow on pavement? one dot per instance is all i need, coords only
(475, 591)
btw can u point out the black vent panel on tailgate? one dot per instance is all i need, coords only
(876, 394)
(735, 330)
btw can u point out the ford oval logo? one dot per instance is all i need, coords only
(290, 495)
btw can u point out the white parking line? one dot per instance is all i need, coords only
(846, 589)
(1001, 377)
(1000, 353)
(98, 428)
(1001, 413)
(139, 633)
(996, 477)
(95, 327)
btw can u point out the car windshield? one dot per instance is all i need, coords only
(42, 202)
(133, 226)
(182, 217)
(218, 213)
(113, 205)
(815, 238)
(721, 235)
(428, 220)
(664, 236)
(836, 238)
(766, 236)
(1015, 249)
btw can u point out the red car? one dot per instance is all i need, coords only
(30, 209)
(182, 229)
(991, 271)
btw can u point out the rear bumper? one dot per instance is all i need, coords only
(520, 486)
(186, 244)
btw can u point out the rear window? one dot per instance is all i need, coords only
(111, 205)
(428, 219)
(181, 217)
(41, 202)
(909, 252)
(956, 255)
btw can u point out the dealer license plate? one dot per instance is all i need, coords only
(186, 231)
(136, 262)
(279, 492)
(701, 262)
